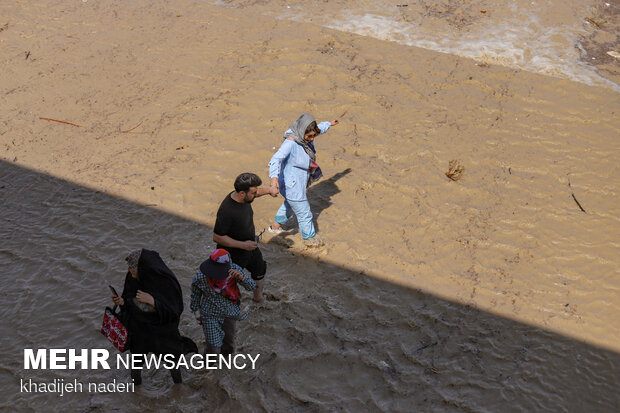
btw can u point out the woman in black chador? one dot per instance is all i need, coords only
(151, 305)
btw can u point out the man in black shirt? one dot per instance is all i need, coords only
(234, 228)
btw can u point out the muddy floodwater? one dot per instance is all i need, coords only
(125, 124)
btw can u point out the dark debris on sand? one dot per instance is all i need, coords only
(601, 47)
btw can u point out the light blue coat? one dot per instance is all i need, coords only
(291, 165)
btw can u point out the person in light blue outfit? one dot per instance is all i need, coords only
(291, 169)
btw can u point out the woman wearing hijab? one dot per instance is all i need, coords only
(291, 169)
(151, 306)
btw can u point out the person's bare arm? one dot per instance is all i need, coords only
(273, 191)
(226, 241)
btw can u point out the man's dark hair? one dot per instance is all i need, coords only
(247, 180)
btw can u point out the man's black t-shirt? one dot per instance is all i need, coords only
(236, 221)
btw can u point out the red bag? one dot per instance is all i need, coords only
(114, 330)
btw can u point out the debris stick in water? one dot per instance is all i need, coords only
(578, 204)
(61, 121)
(129, 130)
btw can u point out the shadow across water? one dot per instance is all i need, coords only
(329, 338)
(321, 193)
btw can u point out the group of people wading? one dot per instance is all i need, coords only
(152, 301)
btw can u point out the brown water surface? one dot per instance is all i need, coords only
(494, 292)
